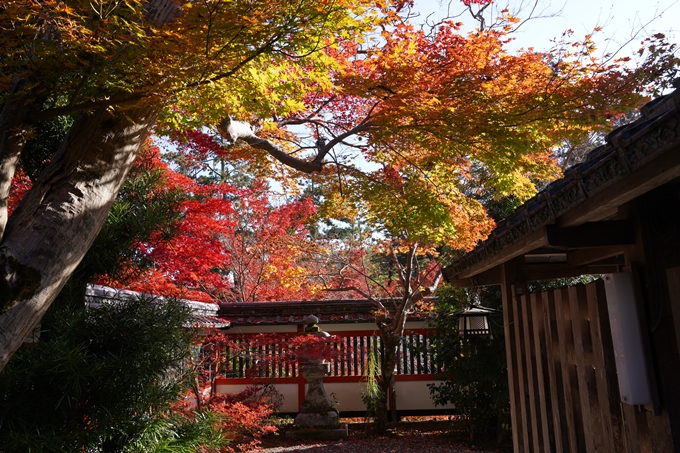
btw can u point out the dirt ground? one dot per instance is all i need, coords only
(417, 436)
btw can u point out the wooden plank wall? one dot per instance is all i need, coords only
(564, 389)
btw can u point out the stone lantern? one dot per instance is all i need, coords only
(317, 418)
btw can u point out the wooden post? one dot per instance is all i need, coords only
(605, 369)
(530, 377)
(584, 369)
(520, 439)
(562, 441)
(544, 395)
(569, 378)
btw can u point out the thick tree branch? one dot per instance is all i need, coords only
(16, 119)
(240, 130)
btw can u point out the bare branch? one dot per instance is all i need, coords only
(359, 291)
(400, 268)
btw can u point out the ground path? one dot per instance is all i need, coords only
(409, 437)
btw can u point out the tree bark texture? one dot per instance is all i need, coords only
(15, 128)
(59, 218)
(387, 366)
(391, 332)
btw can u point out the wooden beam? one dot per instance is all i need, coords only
(522, 246)
(486, 278)
(579, 262)
(587, 256)
(592, 234)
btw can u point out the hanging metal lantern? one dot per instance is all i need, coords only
(474, 321)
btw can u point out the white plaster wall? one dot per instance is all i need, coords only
(415, 395)
(290, 397)
(349, 327)
(229, 388)
(348, 395)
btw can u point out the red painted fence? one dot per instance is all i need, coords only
(416, 368)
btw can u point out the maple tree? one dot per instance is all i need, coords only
(194, 237)
(232, 244)
(268, 251)
(396, 279)
(117, 68)
(186, 261)
(252, 255)
(450, 118)
(429, 110)
(245, 416)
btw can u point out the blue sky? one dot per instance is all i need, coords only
(619, 20)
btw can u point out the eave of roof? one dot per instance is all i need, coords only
(637, 157)
(224, 315)
(203, 314)
(293, 312)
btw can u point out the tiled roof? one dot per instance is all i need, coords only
(627, 149)
(204, 314)
(260, 313)
(293, 312)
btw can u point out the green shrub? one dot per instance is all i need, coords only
(101, 380)
(473, 371)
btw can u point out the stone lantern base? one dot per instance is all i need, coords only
(337, 433)
(317, 418)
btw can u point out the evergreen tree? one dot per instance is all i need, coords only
(102, 380)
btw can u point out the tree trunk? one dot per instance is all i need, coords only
(14, 131)
(389, 361)
(55, 224)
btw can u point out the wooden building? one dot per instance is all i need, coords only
(616, 213)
